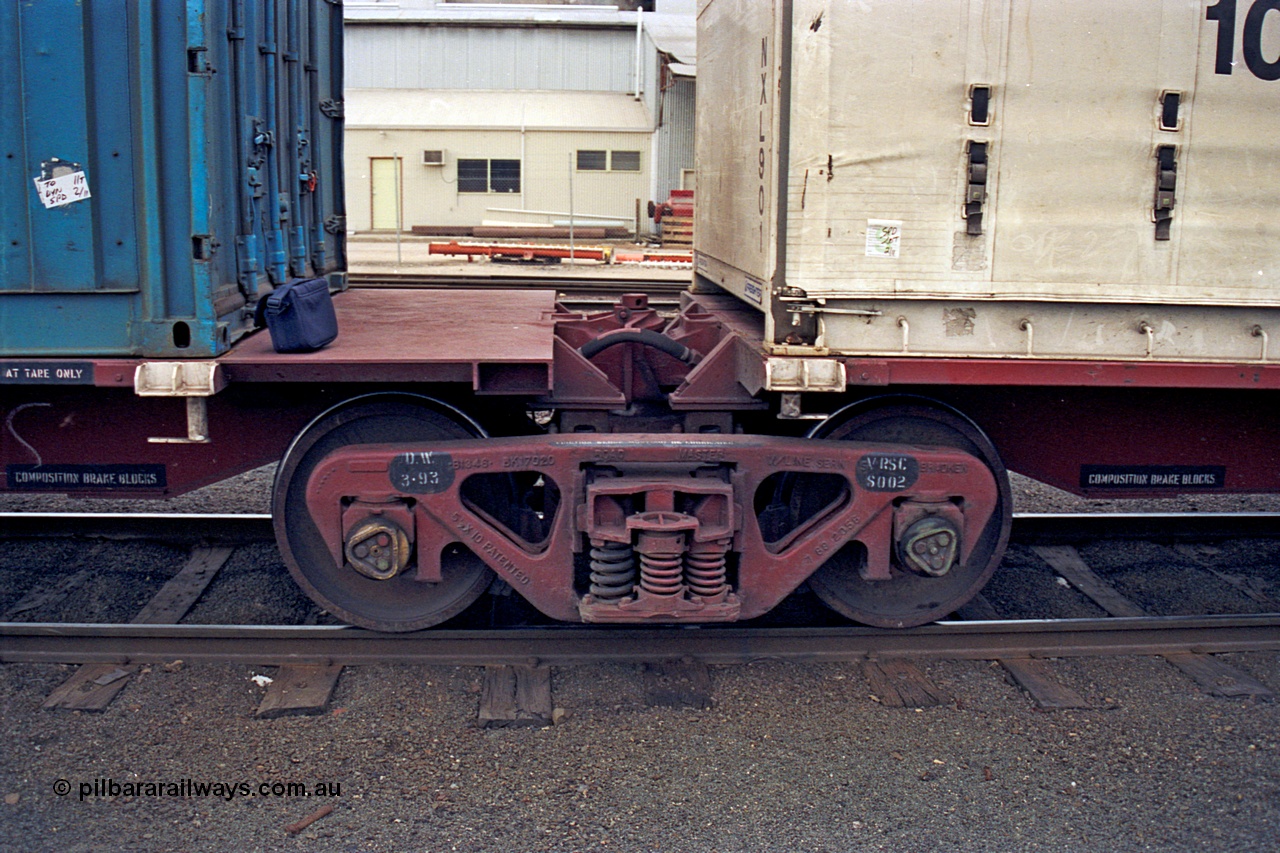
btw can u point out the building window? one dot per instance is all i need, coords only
(488, 176)
(473, 176)
(504, 176)
(592, 161)
(608, 161)
(624, 161)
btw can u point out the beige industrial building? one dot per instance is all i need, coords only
(461, 117)
(528, 158)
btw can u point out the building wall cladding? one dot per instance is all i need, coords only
(409, 56)
(673, 146)
(451, 60)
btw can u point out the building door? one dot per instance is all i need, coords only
(387, 193)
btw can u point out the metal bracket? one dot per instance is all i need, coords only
(804, 374)
(789, 410)
(194, 380)
(1259, 332)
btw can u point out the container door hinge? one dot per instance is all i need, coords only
(333, 108)
(197, 381)
(1166, 185)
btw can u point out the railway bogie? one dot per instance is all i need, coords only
(810, 415)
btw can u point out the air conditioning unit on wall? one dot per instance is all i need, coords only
(433, 158)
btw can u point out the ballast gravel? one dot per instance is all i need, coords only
(789, 757)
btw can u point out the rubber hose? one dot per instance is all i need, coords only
(648, 338)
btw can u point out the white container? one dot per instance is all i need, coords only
(841, 187)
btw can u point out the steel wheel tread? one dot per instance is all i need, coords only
(399, 604)
(909, 599)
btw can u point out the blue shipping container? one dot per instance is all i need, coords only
(165, 163)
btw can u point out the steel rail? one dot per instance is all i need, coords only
(1062, 528)
(177, 527)
(572, 645)
(1028, 528)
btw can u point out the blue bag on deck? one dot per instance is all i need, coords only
(300, 316)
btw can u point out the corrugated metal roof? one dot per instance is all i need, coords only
(488, 110)
(672, 32)
(500, 14)
(675, 35)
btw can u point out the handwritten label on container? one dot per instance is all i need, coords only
(884, 238)
(62, 190)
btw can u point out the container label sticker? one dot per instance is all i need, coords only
(421, 473)
(883, 238)
(66, 478)
(61, 183)
(753, 290)
(46, 373)
(1179, 477)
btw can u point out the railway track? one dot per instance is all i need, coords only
(1131, 632)
(310, 658)
(574, 645)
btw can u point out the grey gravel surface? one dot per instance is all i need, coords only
(790, 757)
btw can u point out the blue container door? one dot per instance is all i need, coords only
(166, 163)
(66, 223)
(284, 79)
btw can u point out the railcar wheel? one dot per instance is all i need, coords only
(399, 603)
(910, 598)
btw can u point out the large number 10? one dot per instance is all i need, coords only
(1224, 12)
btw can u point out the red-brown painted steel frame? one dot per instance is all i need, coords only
(911, 370)
(94, 426)
(1048, 433)
(1046, 417)
(477, 341)
(496, 343)
(543, 573)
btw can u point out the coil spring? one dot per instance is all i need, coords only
(706, 573)
(661, 574)
(613, 570)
